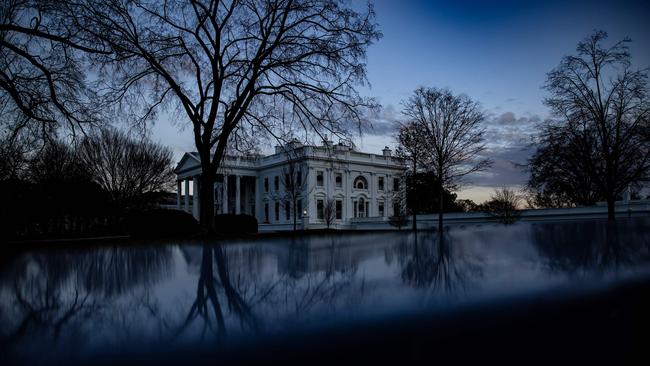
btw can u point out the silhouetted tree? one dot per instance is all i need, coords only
(603, 103)
(467, 205)
(413, 153)
(452, 128)
(126, 168)
(60, 192)
(423, 196)
(329, 212)
(42, 79)
(294, 183)
(234, 64)
(503, 205)
(561, 173)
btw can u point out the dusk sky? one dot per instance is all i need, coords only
(498, 53)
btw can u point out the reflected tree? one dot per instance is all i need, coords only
(431, 262)
(53, 293)
(592, 246)
(207, 297)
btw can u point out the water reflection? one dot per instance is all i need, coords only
(45, 294)
(207, 298)
(590, 246)
(67, 304)
(431, 260)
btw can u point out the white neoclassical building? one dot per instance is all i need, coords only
(338, 182)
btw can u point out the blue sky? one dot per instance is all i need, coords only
(498, 53)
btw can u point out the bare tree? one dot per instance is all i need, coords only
(413, 153)
(452, 128)
(42, 79)
(232, 63)
(561, 173)
(597, 92)
(329, 212)
(294, 183)
(126, 168)
(504, 205)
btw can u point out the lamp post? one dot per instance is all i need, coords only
(305, 220)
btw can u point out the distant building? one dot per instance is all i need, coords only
(338, 180)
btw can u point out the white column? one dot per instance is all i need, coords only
(195, 198)
(238, 194)
(347, 208)
(224, 187)
(178, 194)
(373, 195)
(187, 195)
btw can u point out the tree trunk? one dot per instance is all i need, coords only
(295, 212)
(611, 207)
(415, 220)
(415, 202)
(206, 203)
(440, 208)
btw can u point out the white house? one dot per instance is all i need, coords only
(348, 183)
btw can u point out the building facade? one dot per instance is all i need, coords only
(317, 185)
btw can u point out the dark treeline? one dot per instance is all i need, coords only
(598, 145)
(85, 187)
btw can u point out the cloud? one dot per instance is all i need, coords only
(509, 146)
(507, 117)
(384, 122)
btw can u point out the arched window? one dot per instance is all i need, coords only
(360, 183)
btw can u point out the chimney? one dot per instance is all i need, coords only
(386, 151)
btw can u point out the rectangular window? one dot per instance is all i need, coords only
(287, 210)
(288, 182)
(380, 208)
(266, 184)
(395, 184)
(380, 183)
(320, 181)
(320, 209)
(299, 208)
(396, 209)
(266, 212)
(277, 211)
(299, 179)
(276, 182)
(339, 209)
(339, 180)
